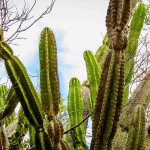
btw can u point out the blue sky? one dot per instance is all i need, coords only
(77, 25)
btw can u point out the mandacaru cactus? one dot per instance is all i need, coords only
(93, 73)
(131, 49)
(75, 110)
(110, 94)
(136, 133)
(106, 89)
(49, 138)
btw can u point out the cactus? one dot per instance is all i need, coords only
(29, 98)
(93, 73)
(136, 133)
(46, 130)
(109, 99)
(130, 51)
(21, 130)
(75, 110)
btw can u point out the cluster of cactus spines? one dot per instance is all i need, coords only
(136, 133)
(131, 49)
(75, 110)
(93, 74)
(109, 99)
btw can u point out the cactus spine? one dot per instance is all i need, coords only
(75, 109)
(136, 130)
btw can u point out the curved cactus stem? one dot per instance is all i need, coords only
(23, 85)
(137, 129)
(75, 109)
(25, 91)
(93, 73)
(50, 95)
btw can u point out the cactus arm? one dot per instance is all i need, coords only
(93, 71)
(109, 103)
(25, 91)
(75, 109)
(100, 96)
(135, 30)
(50, 95)
(116, 21)
(136, 131)
(12, 101)
(118, 104)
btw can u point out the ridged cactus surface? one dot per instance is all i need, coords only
(49, 83)
(93, 74)
(135, 30)
(75, 110)
(136, 133)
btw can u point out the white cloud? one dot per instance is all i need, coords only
(80, 22)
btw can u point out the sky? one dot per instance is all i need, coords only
(77, 25)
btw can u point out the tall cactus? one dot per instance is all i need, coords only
(75, 110)
(131, 49)
(136, 130)
(29, 98)
(109, 99)
(93, 74)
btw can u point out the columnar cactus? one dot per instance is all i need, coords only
(110, 94)
(131, 49)
(93, 74)
(136, 130)
(75, 110)
(51, 137)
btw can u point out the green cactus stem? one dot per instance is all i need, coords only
(136, 133)
(25, 90)
(109, 99)
(21, 130)
(135, 30)
(93, 73)
(75, 110)
(50, 95)
(11, 103)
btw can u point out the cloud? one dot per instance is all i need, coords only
(78, 26)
